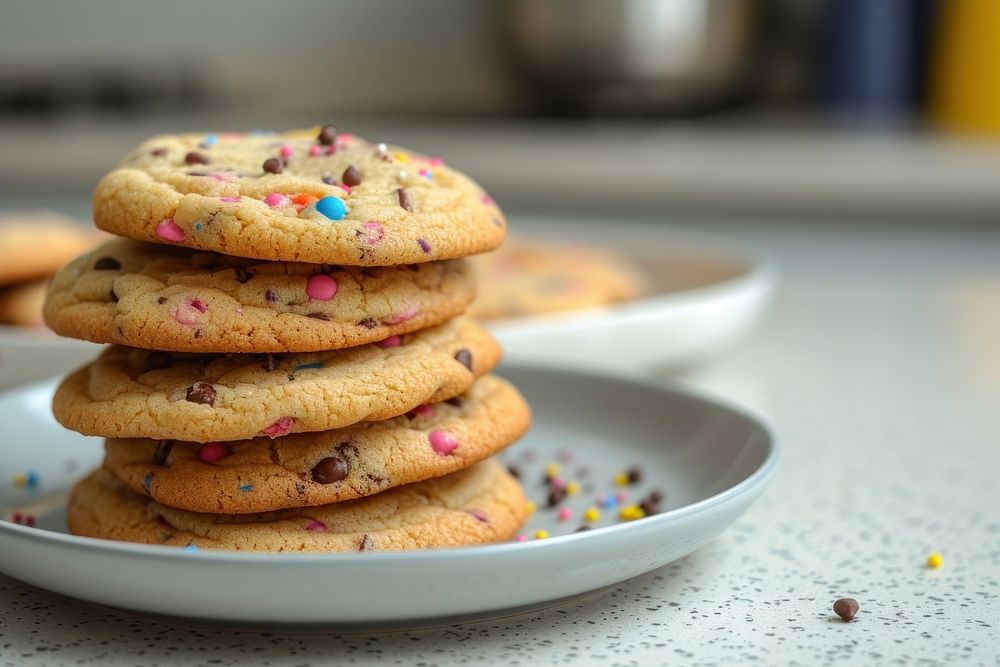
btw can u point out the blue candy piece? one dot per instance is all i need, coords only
(246, 487)
(610, 502)
(305, 367)
(197, 226)
(191, 547)
(208, 140)
(31, 481)
(332, 207)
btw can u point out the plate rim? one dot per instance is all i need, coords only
(756, 480)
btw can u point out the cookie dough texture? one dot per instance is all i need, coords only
(535, 278)
(35, 245)
(478, 505)
(133, 393)
(214, 192)
(263, 474)
(174, 299)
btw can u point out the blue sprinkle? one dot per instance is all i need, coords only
(246, 487)
(429, 176)
(191, 547)
(332, 207)
(305, 367)
(610, 501)
(31, 481)
(147, 481)
(209, 140)
(197, 226)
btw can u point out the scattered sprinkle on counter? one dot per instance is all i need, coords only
(592, 514)
(541, 534)
(934, 561)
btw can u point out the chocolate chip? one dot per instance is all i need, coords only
(404, 199)
(634, 475)
(514, 471)
(198, 333)
(194, 157)
(556, 496)
(243, 275)
(351, 176)
(648, 508)
(202, 393)
(274, 165)
(455, 401)
(107, 264)
(270, 363)
(368, 323)
(846, 608)
(367, 544)
(329, 470)
(464, 357)
(157, 360)
(270, 296)
(656, 497)
(327, 135)
(162, 452)
(158, 152)
(319, 316)
(328, 179)
(583, 528)
(162, 300)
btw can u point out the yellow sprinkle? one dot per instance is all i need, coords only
(934, 561)
(621, 479)
(20, 480)
(552, 470)
(532, 506)
(572, 489)
(592, 514)
(402, 157)
(631, 512)
(541, 534)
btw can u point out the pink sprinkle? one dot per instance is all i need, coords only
(316, 526)
(168, 230)
(345, 136)
(443, 442)
(408, 314)
(621, 497)
(421, 411)
(211, 452)
(276, 199)
(423, 172)
(486, 199)
(435, 161)
(321, 288)
(280, 427)
(286, 150)
(479, 515)
(346, 188)
(521, 538)
(565, 514)
(331, 149)
(557, 483)
(230, 200)
(198, 305)
(221, 176)
(185, 315)
(374, 232)
(391, 341)
(315, 150)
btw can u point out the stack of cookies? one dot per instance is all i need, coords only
(289, 367)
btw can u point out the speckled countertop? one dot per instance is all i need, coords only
(879, 367)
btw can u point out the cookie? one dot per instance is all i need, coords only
(305, 196)
(533, 278)
(317, 468)
(180, 300)
(22, 304)
(35, 245)
(132, 393)
(478, 505)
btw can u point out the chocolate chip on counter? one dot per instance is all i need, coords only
(464, 357)
(327, 135)
(583, 528)
(274, 165)
(404, 199)
(648, 508)
(846, 608)
(656, 497)
(556, 496)
(351, 176)
(202, 393)
(107, 264)
(329, 470)
(156, 360)
(194, 157)
(162, 452)
(634, 475)
(514, 471)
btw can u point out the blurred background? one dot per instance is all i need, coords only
(872, 109)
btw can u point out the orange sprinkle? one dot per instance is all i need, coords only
(304, 199)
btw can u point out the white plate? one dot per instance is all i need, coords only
(711, 461)
(705, 294)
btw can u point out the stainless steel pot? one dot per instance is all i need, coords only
(638, 54)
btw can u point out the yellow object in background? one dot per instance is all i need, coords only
(965, 76)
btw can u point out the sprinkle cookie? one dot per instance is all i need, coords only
(478, 505)
(267, 474)
(175, 299)
(132, 393)
(319, 196)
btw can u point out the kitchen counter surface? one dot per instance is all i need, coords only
(878, 367)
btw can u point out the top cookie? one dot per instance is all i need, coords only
(307, 196)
